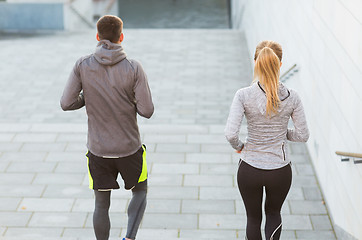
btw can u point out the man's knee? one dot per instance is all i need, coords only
(142, 186)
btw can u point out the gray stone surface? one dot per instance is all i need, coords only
(192, 185)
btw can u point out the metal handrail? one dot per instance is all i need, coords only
(289, 73)
(345, 156)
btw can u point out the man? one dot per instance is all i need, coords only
(113, 88)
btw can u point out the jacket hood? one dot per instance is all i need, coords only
(283, 94)
(108, 53)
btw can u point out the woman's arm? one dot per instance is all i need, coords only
(234, 121)
(300, 132)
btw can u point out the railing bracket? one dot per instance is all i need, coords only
(345, 156)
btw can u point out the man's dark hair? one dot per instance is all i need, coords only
(110, 28)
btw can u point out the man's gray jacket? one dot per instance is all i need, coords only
(115, 89)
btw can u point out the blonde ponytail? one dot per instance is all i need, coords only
(267, 70)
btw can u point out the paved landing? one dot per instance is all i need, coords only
(193, 75)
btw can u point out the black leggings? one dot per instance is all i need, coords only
(251, 182)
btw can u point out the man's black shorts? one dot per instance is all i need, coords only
(103, 172)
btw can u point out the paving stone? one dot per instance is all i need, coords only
(14, 190)
(76, 147)
(22, 156)
(297, 222)
(312, 193)
(304, 169)
(175, 168)
(185, 221)
(59, 128)
(6, 137)
(219, 193)
(14, 127)
(208, 206)
(165, 234)
(87, 205)
(59, 219)
(288, 235)
(208, 234)
(163, 206)
(316, 235)
(298, 158)
(66, 156)
(307, 207)
(304, 181)
(208, 180)
(321, 222)
(298, 148)
(45, 205)
(88, 233)
(295, 193)
(14, 219)
(16, 178)
(206, 138)
(173, 192)
(35, 137)
(71, 167)
(10, 147)
(172, 129)
(30, 167)
(4, 166)
(166, 157)
(9, 204)
(165, 138)
(218, 168)
(216, 148)
(177, 148)
(222, 221)
(208, 158)
(165, 180)
(34, 233)
(59, 178)
(46, 147)
(67, 191)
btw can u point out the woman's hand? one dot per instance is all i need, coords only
(239, 151)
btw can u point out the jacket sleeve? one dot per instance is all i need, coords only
(300, 132)
(234, 121)
(143, 98)
(72, 97)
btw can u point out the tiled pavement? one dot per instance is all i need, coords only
(193, 75)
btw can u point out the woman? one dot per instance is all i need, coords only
(267, 105)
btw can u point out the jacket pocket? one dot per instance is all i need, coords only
(283, 151)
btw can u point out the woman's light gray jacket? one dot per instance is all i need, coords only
(266, 143)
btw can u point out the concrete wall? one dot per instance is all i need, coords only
(73, 15)
(27, 17)
(324, 37)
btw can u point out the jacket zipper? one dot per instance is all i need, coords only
(283, 151)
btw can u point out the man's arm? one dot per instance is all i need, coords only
(72, 98)
(143, 98)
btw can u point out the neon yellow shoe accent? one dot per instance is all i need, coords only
(89, 174)
(143, 175)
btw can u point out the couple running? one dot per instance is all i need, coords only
(114, 88)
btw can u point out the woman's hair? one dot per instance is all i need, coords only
(268, 56)
(109, 28)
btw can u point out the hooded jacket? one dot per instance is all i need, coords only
(266, 143)
(115, 89)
